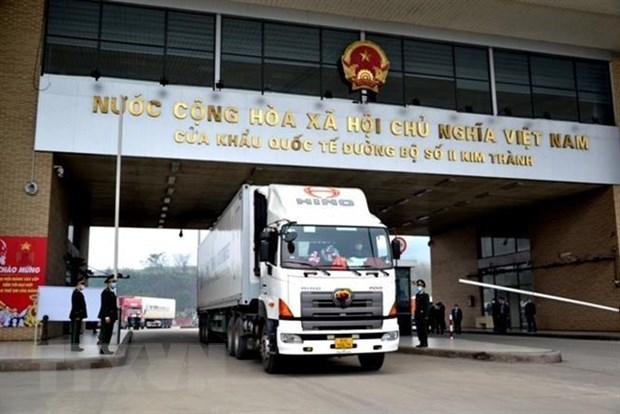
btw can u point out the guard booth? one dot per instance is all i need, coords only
(404, 270)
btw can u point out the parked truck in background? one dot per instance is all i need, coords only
(131, 312)
(293, 270)
(158, 312)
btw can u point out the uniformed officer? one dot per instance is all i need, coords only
(108, 313)
(77, 314)
(422, 303)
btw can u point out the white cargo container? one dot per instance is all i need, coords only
(158, 312)
(293, 270)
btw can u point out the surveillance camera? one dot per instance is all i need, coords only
(31, 188)
(60, 171)
(617, 283)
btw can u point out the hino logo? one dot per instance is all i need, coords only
(324, 196)
(342, 297)
(322, 192)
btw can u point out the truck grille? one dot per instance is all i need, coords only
(319, 312)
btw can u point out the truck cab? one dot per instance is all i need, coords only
(327, 277)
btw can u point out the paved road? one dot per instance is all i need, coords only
(168, 372)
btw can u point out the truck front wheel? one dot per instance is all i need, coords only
(271, 362)
(371, 362)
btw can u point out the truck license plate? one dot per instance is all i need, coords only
(343, 343)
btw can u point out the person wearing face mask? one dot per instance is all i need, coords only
(108, 313)
(422, 303)
(77, 314)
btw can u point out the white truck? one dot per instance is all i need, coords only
(292, 270)
(158, 312)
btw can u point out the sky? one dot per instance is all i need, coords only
(135, 246)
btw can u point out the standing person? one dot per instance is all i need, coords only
(495, 313)
(77, 314)
(503, 315)
(530, 315)
(108, 313)
(431, 319)
(440, 316)
(422, 303)
(457, 317)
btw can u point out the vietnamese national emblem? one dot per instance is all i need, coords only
(365, 65)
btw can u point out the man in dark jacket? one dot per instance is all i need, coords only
(108, 313)
(422, 303)
(530, 315)
(77, 314)
(457, 318)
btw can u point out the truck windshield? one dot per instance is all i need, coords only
(331, 247)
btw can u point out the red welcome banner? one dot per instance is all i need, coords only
(23, 267)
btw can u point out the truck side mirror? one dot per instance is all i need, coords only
(395, 249)
(267, 247)
(263, 252)
(288, 234)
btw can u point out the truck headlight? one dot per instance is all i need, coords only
(390, 336)
(290, 338)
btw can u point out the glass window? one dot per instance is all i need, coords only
(473, 96)
(555, 104)
(595, 103)
(507, 279)
(471, 63)
(133, 25)
(191, 31)
(333, 44)
(70, 56)
(291, 42)
(241, 37)
(513, 100)
(292, 59)
(190, 45)
(337, 247)
(428, 58)
(511, 67)
(131, 61)
(430, 91)
(552, 72)
(291, 77)
(503, 245)
(241, 65)
(486, 247)
(73, 18)
(526, 278)
(392, 48)
(523, 244)
(391, 92)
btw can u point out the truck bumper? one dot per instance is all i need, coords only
(293, 341)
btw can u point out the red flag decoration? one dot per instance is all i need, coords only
(23, 267)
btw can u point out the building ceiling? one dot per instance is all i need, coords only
(408, 203)
(591, 24)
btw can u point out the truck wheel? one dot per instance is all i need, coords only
(371, 362)
(230, 336)
(241, 342)
(271, 362)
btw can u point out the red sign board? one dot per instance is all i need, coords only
(23, 267)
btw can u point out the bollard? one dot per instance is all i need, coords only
(451, 328)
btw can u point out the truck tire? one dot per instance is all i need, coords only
(230, 336)
(371, 362)
(203, 329)
(271, 362)
(241, 341)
